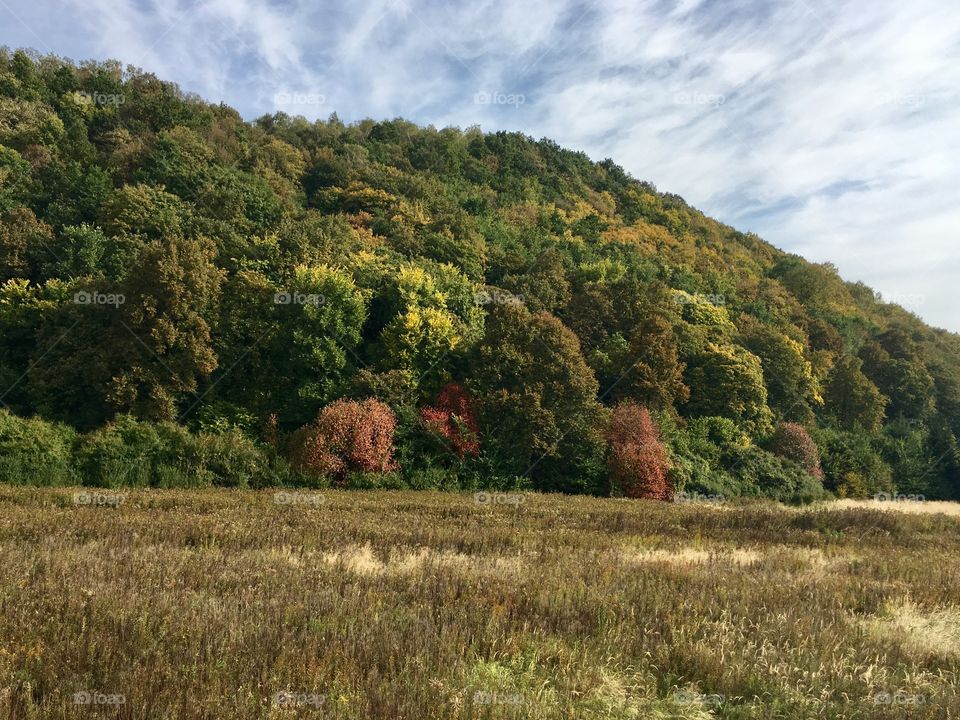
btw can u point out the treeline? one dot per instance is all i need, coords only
(378, 303)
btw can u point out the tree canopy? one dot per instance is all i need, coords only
(161, 259)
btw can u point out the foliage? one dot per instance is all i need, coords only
(537, 396)
(793, 442)
(637, 459)
(347, 436)
(34, 452)
(274, 267)
(454, 418)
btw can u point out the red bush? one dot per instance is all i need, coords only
(792, 441)
(347, 435)
(636, 458)
(454, 418)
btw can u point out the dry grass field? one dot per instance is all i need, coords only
(409, 606)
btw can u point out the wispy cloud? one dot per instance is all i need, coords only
(830, 129)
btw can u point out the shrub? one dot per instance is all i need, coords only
(764, 474)
(454, 419)
(374, 481)
(347, 436)
(851, 464)
(120, 453)
(232, 459)
(35, 452)
(127, 452)
(636, 458)
(793, 442)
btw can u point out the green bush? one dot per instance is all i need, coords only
(851, 464)
(130, 453)
(231, 459)
(697, 451)
(763, 474)
(35, 452)
(119, 454)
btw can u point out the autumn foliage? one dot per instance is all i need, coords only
(347, 436)
(792, 441)
(636, 458)
(454, 418)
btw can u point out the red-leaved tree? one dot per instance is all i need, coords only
(792, 441)
(347, 436)
(636, 458)
(454, 419)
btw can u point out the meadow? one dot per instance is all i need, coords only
(415, 605)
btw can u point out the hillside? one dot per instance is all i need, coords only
(183, 291)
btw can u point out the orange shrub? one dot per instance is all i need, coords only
(347, 436)
(636, 458)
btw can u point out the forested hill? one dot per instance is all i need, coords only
(500, 311)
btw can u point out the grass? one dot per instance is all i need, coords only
(409, 606)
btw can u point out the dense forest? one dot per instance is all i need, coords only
(188, 298)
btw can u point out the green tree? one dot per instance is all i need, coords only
(162, 339)
(787, 374)
(727, 381)
(851, 398)
(537, 397)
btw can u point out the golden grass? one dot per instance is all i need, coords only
(921, 631)
(922, 507)
(414, 606)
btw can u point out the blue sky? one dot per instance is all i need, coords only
(830, 129)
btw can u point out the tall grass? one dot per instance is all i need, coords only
(377, 604)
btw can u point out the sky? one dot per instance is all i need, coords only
(830, 129)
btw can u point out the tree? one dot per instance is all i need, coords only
(898, 371)
(793, 442)
(636, 458)
(162, 339)
(727, 380)
(787, 374)
(319, 318)
(454, 418)
(24, 243)
(851, 398)
(14, 179)
(537, 396)
(645, 368)
(430, 314)
(347, 436)
(142, 212)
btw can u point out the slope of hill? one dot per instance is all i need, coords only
(466, 309)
